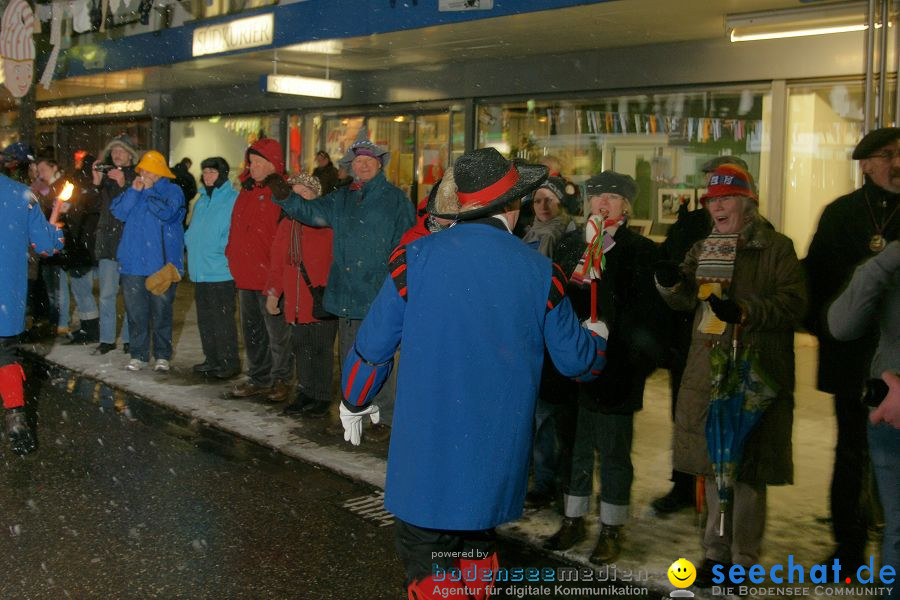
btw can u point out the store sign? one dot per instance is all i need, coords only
(234, 35)
(455, 5)
(84, 110)
(303, 86)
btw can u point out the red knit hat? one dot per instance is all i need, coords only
(730, 180)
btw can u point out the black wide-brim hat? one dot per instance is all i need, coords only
(486, 181)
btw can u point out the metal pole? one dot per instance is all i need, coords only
(881, 108)
(894, 4)
(870, 49)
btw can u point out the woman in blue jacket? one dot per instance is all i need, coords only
(152, 210)
(214, 290)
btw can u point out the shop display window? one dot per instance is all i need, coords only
(659, 139)
(225, 136)
(824, 124)
(422, 146)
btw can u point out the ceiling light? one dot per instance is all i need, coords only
(303, 86)
(797, 22)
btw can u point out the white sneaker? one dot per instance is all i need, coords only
(161, 365)
(135, 364)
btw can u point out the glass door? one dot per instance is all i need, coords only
(398, 134)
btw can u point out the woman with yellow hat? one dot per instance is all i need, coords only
(150, 258)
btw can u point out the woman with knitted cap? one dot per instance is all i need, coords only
(214, 290)
(153, 211)
(610, 269)
(744, 283)
(301, 258)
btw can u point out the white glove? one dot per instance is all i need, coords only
(352, 422)
(599, 328)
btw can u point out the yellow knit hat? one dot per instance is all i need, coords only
(155, 162)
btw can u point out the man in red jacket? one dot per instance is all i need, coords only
(253, 223)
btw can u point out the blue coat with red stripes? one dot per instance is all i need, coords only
(24, 226)
(473, 308)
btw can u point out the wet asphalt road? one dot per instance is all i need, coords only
(126, 500)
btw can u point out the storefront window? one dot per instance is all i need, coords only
(421, 145)
(659, 139)
(824, 124)
(223, 136)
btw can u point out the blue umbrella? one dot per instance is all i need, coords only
(741, 393)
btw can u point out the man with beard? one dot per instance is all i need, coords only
(851, 230)
(113, 174)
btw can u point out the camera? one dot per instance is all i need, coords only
(104, 168)
(876, 391)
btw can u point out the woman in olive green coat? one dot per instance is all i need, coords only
(762, 290)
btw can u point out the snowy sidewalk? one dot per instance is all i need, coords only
(795, 513)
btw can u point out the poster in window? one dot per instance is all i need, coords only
(669, 200)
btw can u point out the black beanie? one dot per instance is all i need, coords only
(219, 164)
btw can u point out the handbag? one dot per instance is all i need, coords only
(158, 283)
(318, 295)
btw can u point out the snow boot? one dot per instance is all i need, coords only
(430, 588)
(475, 574)
(88, 333)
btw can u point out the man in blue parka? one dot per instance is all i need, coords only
(473, 308)
(24, 226)
(368, 218)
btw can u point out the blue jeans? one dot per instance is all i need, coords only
(108, 274)
(83, 292)
(544, 454)
(884, 448)
(145, 311)
(56, 282)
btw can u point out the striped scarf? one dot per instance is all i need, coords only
(599, 237)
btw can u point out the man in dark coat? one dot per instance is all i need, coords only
(852, 229)
(186, 182)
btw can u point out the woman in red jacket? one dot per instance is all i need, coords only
(301, 257)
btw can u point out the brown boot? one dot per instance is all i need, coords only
(247, 389)
(570, 533)
(279, 392)
(609, 546)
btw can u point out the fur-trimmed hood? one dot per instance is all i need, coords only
(122, 141)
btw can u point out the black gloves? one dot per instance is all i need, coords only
(726, 310)
(667, 273)
(280, 188)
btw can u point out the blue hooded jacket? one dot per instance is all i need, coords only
(207, 236)
(150, 215)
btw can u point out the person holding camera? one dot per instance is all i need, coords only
(873, 296)
(112, 175)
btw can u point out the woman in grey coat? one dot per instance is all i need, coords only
(750, 277)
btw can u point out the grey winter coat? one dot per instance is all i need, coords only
(768, 282)
(873, 295)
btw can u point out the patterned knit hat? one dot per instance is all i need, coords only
(730, 180)
(306, 180)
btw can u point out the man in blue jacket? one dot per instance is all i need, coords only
(368, 218)
(24, 226)
(473, 308)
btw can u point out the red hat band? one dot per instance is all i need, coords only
(495, 190)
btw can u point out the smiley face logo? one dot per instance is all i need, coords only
(682, 573)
